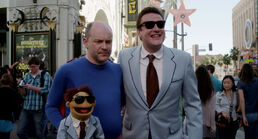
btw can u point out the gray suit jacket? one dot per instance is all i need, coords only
(66, 129)
(163, 118)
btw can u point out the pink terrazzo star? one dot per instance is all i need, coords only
(155, 2)
(182, 14)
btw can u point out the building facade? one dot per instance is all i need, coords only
(4, 30)
(245, 31)
(53, 29)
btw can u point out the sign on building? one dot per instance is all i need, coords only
(29, 45)
(132, 10)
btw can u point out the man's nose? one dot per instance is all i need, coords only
(104, 46)
(156, 27)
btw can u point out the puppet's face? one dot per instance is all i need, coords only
(81, 106)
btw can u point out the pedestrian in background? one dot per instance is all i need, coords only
(33, 104)
(217, 85)
(248, 93)
(9, 105)
(226, 106)
(208, 98)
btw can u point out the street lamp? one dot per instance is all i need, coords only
(182, 36)
(176, 33)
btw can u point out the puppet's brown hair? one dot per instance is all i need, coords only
(68, 96)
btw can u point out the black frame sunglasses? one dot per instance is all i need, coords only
(80, 99)
(150, 24)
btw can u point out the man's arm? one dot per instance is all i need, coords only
(242, 106)
(30, 87)
(55, 98)
(45, 88)
(192, 103)
(47, 83)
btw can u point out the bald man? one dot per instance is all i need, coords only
(94, 70)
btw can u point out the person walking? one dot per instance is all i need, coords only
(155, 78)
(217, 85)
(9, 105)
(208, 98)
(248, 93)
(226, 106)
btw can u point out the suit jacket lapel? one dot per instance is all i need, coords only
(134, 65)
(71, 131)
(169, 67)
(91, 128)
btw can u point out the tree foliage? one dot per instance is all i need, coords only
(206, 60)
(226, 59)
(220, 62)
(213, 60)
(234, 54)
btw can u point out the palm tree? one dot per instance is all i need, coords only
(226, 61)
(234, 56)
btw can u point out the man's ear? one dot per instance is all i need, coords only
(85, 42)
(68, 104)
(138, 33)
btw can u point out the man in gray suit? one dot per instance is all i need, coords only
(157, 116)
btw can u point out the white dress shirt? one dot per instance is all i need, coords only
(76, 125)
(157, 62)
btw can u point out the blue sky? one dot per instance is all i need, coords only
(211, 23)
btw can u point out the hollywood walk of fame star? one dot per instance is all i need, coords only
(182, 14)
(155, 2)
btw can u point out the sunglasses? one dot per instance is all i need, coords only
(80, 99)
(151, 24)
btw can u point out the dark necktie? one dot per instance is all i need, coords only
(152, 82)
(82, 130)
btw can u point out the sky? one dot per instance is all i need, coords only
(210, 23)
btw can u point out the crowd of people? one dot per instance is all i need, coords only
(140, 97)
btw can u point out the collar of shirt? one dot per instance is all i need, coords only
(224, 94)
(33, 76)
(158, 55)
(76, 122)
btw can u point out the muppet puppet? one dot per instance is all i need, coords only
(80, 124)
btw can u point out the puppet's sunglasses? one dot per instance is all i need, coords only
(150, 24)
(80, 99)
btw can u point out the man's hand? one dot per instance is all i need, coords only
(226, 116)
(245, 121)
(28, 86)
(212, 132)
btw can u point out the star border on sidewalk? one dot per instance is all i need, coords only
(182, 14)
